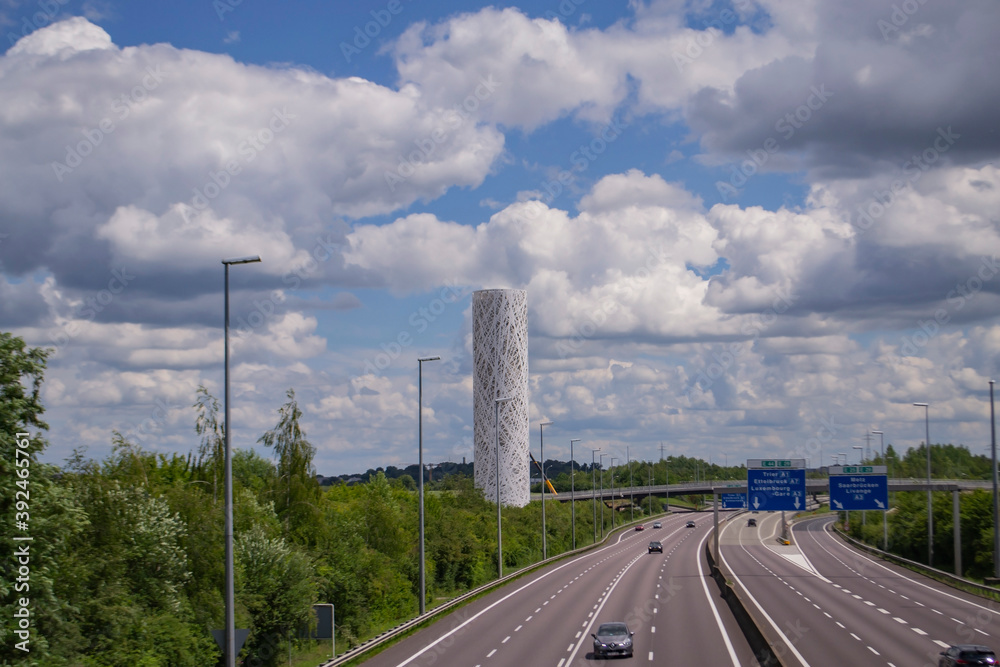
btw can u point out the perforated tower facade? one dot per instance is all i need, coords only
(500, 358)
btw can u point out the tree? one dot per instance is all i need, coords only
(49, 514)
(296, 487)
(212, 450)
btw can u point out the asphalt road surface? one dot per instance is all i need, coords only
(836, 605)
(545, 619)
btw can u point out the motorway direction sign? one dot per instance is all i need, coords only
(859, 492)
(776, 490)
(776, 463)
(857, 470)
(733, 501)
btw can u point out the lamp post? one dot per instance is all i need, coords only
(420, 455)
(230, 640)
(541, 455)
(572, 489)
(930, 497)
(996, 508)
(593, 486)
(885, 514)
(496, 428)
(844, 454)
(601, 457)
(861, 455)
(631, 491)
(613, 458)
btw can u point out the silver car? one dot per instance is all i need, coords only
(612, 639)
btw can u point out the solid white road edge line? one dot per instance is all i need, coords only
(711, 603)
(788, 643)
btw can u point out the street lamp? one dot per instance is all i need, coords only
(230, 648)
(601, 457)
(844, 454)
(420, 449)
(861, 456)
(572, 489)
(930, 498)
(996, 507)
(885, 515)
(496, 429)
(541, 454)
(593, 487)
(613, 459)
(631, 490)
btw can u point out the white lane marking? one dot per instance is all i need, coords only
(840, 624)
(505, 639)
(858, 554)
(884, 611)
(981, 632)
(874, 651)
(652, 629)
(561, 663)
(518, 628)
(855, 636)
(569, 648)
(711, 604)
(572, 656)
(490, 654)
(942, 644)
(502, 600)
(899, 620)
(650, 656)
(918, 631)
(770, 620)
(578, 633)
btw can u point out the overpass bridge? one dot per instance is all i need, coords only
(711, 487)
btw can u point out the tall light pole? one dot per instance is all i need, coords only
(541, 454)
(496, 428)
(885, 514)
(861, 455)
(420, 455)
(572, 489)
(230, 595)
(631, 492)
(930, 497)
(593, 486)
(613, 458)
(666, 482)
(601, 457)
(844, 454)
(996, 508)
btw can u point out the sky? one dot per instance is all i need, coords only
(747, 229)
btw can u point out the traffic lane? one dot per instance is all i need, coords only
(863, 633)
(496, 624)
(947, 614)
(773, 584)
(644, 598)
(694, 624)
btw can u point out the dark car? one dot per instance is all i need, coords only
(612, 639)
(752, 522)
(967, 654)
(690, 524)
(655, 546)
(640, 527)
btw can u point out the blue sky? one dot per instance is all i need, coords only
(737, 222)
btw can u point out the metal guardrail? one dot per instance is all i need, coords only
(417, 621)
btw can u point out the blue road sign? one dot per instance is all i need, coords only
(859, 492)
(776, 490)
(733, 501)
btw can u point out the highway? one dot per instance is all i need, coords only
(544, 619)
(836, 605)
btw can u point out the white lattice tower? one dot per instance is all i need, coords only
(500, 358)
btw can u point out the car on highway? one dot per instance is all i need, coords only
(640, 527)
(690, 524)
(655, 546)
(657, 524)
(612, 639)
(752, 522)
(967, 654)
